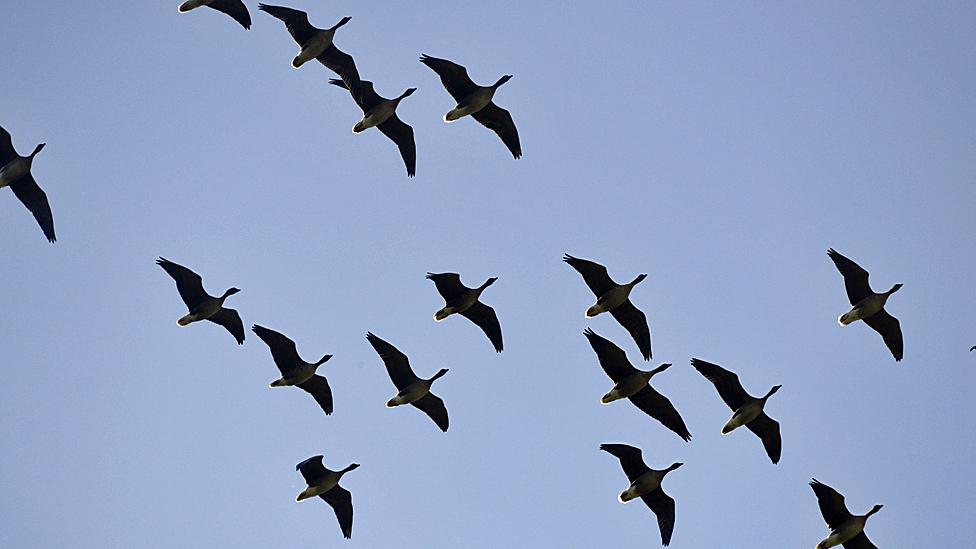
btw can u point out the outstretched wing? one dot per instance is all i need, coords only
(402, 134)
(397, 365)
(831, 503)
(341, 502)
(7, 152)
(660, 408)
(340, 63)
(859, 541)
(767, 429)
(855, 278)
(448, 284)
(235, 9)
(311, 469)
(318, 387)
(31, 195)
(631, 459)
(594, 274)
(283, 349)
(188, 283)
(726, 382)
(890, 329)
(295, 20)
(433, 406)
(612, 358)
(663, 507)
(500, 121)
(229, 319)
(484, 317)
(635, 322)
(454, 77)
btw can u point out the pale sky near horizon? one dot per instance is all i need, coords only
(720, 148)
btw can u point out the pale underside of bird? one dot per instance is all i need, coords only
(201, 305)
(234, 8)
(295, 371)
(464, 301)
(15, 172)
(845, 529)
(475, 101)
(868, 305)
(324, 483)
(315, 43)
(381, 113)
(645, 483)
(634, 384)
(746, 409)
(615, 299)
(412, 389)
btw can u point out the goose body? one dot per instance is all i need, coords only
(475, 101)
(324, 483)
(746, 409)
(380, 112)
(645, 483)
(295, 372)
(868, 305)
(411, 389)
(201, 305)
(845, 529)
(464, 301)
(15, 172)
(314, 43)
(234, 8)
(633, 384)
(615, 299)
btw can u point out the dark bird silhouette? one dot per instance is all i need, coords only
(973, 348)
(845, 529)
(295, 371)
(634, 384)
(868, 306)
(645, 483)
(15, 173)
(464, 301)
(381, 112)
(614, 298)
(412, 389)
(325, 484)
(747, 410)
(475, 100)
(315, 43)
(202, 305)
(233, 8)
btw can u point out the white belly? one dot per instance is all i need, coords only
(313, 48)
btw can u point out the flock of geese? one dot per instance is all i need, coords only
(629, 382)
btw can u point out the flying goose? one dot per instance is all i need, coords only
(629, 382)
(202, 305)
(868, 306)
(325, 484)
(233, 8)
(294, 370)
(464, 301)
(381, 112)
(15, 173)
(412, 389)
(845, 529)
(615, 298)
(746, 410)
(645, 483)
(315, 43)
(475, 100)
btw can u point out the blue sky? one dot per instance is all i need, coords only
(719, 148)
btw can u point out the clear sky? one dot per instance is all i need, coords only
(719, 148)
